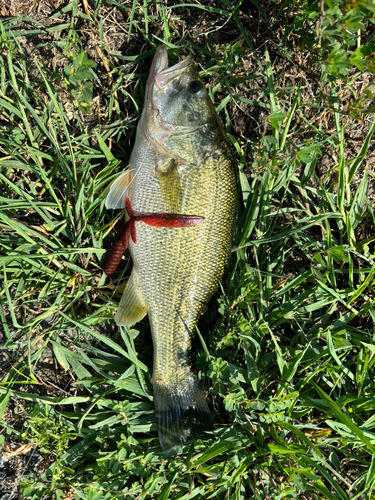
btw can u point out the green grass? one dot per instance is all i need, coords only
(288, 367)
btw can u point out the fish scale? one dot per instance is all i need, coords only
(181, 160)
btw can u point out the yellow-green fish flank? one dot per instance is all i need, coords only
(180, 164)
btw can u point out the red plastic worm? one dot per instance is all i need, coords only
(161, 220)
(117, 250)
(128, 230)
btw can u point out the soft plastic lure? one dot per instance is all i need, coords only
(121, 241)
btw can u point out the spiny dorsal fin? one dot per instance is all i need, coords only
(132, 307)
(119, 191)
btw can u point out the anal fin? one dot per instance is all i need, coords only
(118, 191)
(131, 308)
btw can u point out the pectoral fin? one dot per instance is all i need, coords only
(119, 191)
(169, 180)
(132, 307)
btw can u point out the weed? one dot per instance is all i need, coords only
(75, 81)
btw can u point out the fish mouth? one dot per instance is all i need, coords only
(159, 62)
(161, 74)
(164, 80)
(166, 74)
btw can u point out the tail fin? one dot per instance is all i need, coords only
(181, 411)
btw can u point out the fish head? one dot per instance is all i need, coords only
(179, 116)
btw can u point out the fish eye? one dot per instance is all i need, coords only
(195, 86)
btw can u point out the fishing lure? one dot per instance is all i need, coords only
(127, 231)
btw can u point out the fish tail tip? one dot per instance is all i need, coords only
(181, 412)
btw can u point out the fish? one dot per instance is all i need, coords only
(180, 165)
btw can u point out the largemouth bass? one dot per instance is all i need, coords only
(180, 165)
